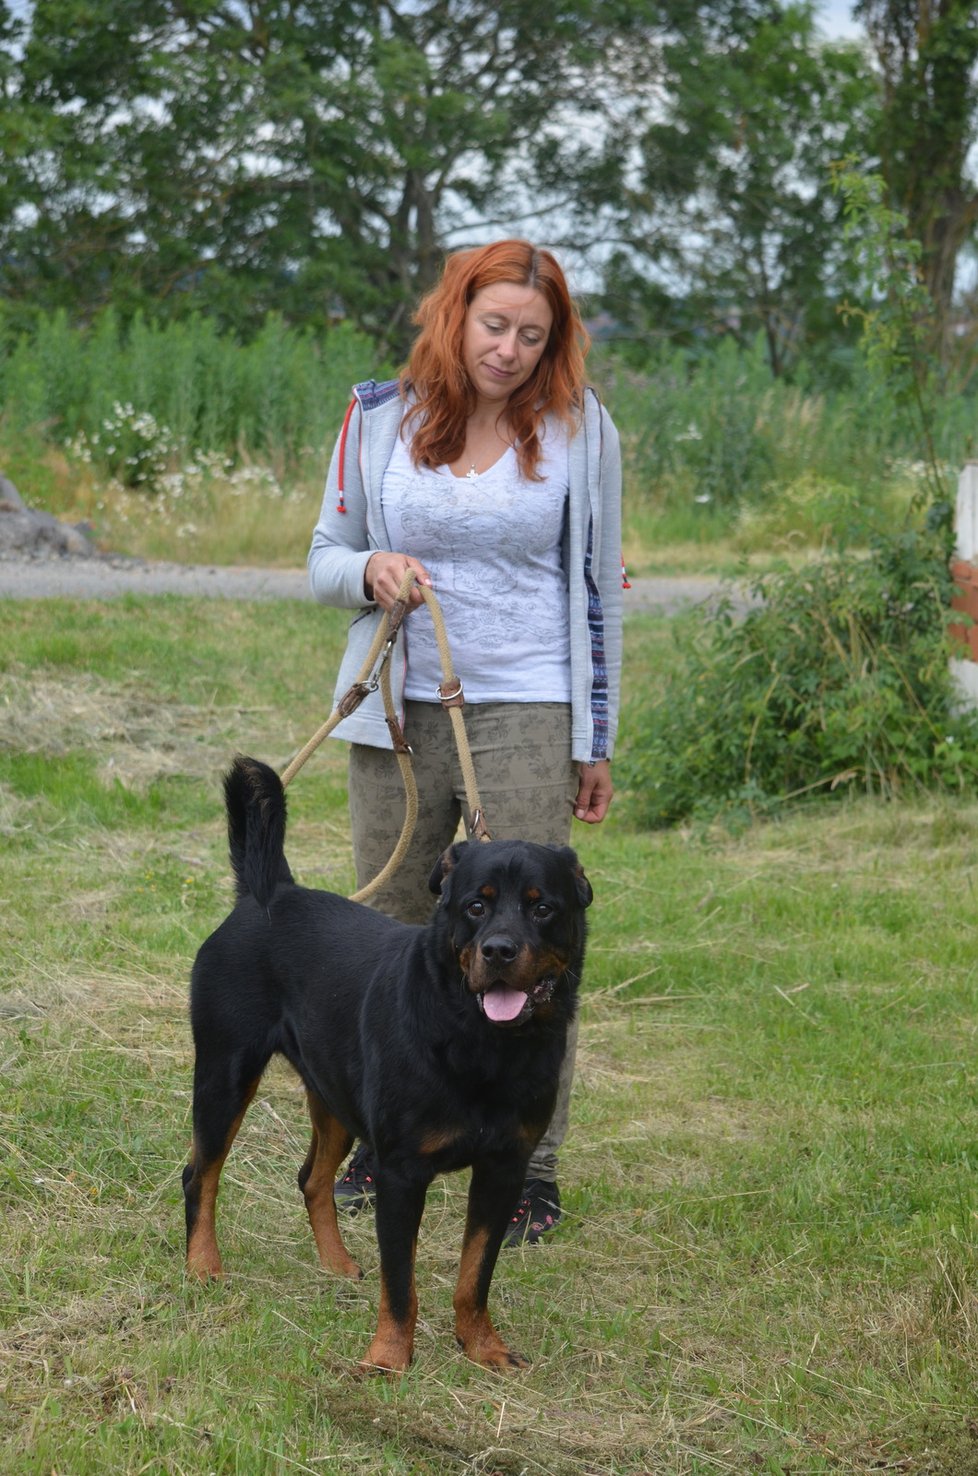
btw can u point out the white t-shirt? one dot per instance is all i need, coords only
(492, 545)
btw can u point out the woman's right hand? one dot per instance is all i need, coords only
(384, 575)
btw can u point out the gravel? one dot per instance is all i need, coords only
(106, 576)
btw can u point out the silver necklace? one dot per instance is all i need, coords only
(471, 474)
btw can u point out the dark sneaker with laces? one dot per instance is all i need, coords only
(357, 1189)
(536, 1214)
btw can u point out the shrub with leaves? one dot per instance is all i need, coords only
(836, 681)
(839, 679)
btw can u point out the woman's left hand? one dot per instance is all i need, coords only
(594, 792)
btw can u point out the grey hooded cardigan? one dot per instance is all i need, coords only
(351, 527)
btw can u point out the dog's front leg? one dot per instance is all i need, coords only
(400, 1205)
(494, 1190)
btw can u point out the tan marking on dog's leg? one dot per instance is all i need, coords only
(203, 1255)
(330, 1145)
(392, 1347)
(473, 1326)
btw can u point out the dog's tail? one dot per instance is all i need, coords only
(255, 803)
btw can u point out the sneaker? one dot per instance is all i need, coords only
(536, 1214)
(357, 1189)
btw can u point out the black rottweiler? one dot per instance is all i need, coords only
(440, 1046)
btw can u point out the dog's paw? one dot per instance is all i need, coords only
(506, 1361)
(385, 1356)
(493, 1353)
(343, 1266)
(205, 1268)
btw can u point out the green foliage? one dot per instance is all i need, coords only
(812, 511)
(926, 57)
(281, 394)
(840, 677)
(837, 681)
(306, 159)
(703, 430)
(132, 446)
(713, 445)
(888, 261)
(707, 435)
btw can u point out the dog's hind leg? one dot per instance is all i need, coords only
(221, 1100)
(330, 1144)
(492, 1189)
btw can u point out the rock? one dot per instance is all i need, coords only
(25, 531)
(9, 494)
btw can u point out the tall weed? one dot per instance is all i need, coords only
(280, 395)
(703, 434)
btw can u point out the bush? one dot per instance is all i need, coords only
(837, 680)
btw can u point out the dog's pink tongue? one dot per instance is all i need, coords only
(502, 1004)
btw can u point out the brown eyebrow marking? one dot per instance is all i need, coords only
(487, 891)
(533, 894)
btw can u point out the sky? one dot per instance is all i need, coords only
(835, 15)
(835, 19)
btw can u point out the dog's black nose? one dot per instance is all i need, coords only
(498, 949)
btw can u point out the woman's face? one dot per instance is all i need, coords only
(506, 331)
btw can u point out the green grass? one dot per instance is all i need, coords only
(771, 1246)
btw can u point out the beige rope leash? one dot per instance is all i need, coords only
(374, 673)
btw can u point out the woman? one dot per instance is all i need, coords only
(493, 472)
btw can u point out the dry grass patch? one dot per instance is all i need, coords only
(137, 741)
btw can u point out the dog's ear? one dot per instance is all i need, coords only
(443, 866)
(585, 895)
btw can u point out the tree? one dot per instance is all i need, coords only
(305, 155)
(731, 205)
(317, 156)
(927, 52)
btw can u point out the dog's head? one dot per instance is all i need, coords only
(514, 914)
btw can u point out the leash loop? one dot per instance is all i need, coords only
(374, 673)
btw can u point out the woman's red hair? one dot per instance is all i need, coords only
(444, 396)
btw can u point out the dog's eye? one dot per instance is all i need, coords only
(541, 911)
(475, 908)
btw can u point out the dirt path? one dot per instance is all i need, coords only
(103, 578)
